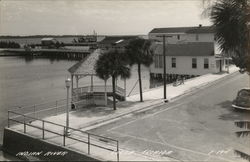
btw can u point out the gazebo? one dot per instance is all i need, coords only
(91, 94)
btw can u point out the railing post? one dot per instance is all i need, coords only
(117, 151)
(64, 134)
(56, 107)
(88, 144)
(24, 124)
(8, 119)
(43, 129)
(34, 111)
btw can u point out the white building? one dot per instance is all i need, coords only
(183, 34)
(190, 51)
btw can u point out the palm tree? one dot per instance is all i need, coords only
(103, 74)
(246, 132)
(140, 53)
(112, 64)
(231, 20)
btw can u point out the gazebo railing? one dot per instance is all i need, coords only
(98, 89)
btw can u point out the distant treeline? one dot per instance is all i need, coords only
(9, 44)
(39, 36)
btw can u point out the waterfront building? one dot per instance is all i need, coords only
(48, 42)
(190, 51)
(115, 42)
(178, 35)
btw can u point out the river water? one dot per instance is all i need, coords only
(32, 81)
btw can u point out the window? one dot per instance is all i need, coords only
(173, 62)
(194, 63)
(206, 63)
(178, 37)
(197, 37)
(158, 60)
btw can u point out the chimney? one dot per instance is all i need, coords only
(200, 25)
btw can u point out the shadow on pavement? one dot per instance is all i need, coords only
(95, 111)
(233, 114)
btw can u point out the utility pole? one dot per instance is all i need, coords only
(164, 66)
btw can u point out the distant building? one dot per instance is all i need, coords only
(190, 51)
(115, 42)
(48, 42)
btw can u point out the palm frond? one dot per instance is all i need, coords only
(243, 124)
(242, 133)
(242, 155)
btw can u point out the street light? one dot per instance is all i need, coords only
(164, 66)
(67, 82)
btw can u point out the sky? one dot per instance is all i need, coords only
(114, 17)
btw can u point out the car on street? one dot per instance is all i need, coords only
(242, 100)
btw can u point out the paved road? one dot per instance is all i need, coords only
(197, 127)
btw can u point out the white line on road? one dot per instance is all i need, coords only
(188, 150)
(170, 145)
(147, 116)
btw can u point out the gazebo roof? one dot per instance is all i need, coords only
(87, 65)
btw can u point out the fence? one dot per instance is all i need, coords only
(31, 117)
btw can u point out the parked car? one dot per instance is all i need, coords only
(242, 100)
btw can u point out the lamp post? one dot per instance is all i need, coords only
(67, 82)
(164, 66)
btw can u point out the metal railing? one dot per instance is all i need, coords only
(91, 140)
(133, 87)
(98, 88)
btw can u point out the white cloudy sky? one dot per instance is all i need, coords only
(31, 17)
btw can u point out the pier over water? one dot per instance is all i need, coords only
(49, 53)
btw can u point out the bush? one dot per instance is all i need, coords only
(9, 44)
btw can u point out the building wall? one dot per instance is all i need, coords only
(208, 37)
(184, 66)
(183, 37)
(170, 40)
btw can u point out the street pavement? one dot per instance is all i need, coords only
(196, 127)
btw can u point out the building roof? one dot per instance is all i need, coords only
(47, 39)
(203, 29)
(187, 49)
(87, 65)
(117, 39)
(197, 29)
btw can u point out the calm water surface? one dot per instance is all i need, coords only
(27, 82)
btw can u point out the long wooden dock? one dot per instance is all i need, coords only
(51, 53)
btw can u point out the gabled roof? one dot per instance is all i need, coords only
(197, 29)
(117, 39)
(203, 29)
(87, 65)
(188, 49)
(171, 30)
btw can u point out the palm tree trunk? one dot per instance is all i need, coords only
(249, 79)
(105, 93)
(140, 86)
(113, 85)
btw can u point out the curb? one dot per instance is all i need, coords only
(208, 84)
(110, 119)
(157, 102)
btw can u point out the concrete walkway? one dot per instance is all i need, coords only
(88, 118)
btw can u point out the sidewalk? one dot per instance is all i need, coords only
(88, 118)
